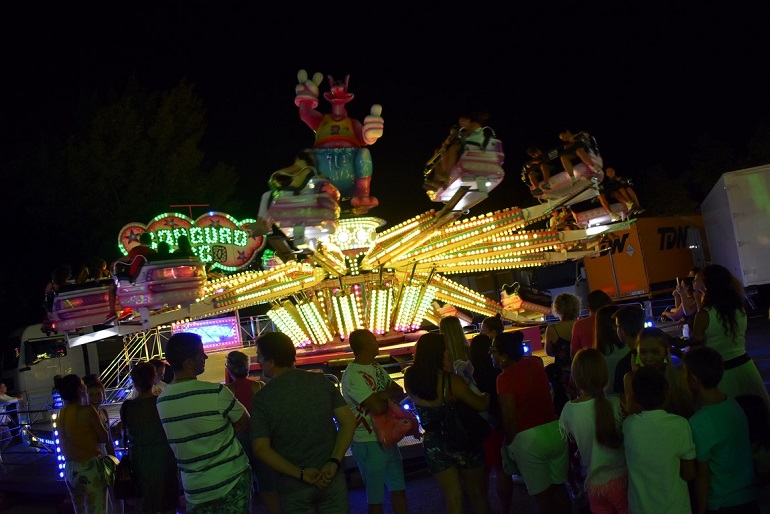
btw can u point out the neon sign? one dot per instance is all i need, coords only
(216, 238)
(216, 334)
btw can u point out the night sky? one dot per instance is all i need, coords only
(646, 80)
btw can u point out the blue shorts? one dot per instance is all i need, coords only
(380, 467)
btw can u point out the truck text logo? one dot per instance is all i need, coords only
(673, 237)
(616, 244)
(670, 238)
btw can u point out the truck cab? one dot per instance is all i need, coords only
(31, 359)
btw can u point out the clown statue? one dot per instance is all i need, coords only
(340, 142)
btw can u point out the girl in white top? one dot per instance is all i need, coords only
(594, 422)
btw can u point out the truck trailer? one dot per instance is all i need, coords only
(645, 260)
(736, 214)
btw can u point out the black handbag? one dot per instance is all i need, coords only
(463, 428)
(124, 485)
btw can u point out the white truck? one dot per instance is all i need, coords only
(32, 359)
(736, 216)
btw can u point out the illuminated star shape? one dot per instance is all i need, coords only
(242, 256)
(171, 222)
(215, 222)
(133, 237)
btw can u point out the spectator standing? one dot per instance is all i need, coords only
(721, 325)
(5, 420)
(96, 397)
(583, 330)
(152, 460)
(159, 385)
(367, 388)
(594, 420)
(492, 326)
(607, 341)
(294, 430)
(485, 376)
(459, 471)
(724, 478)
(558, 337)
(532, 435)
(244, 389)
(629, 322)
(457, 348)
(660, 453)
(201, 420)
(80, 432)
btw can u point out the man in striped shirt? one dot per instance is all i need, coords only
(200, 420)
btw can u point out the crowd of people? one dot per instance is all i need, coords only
(637, 428)
(659, 433)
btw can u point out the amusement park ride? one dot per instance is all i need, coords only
(333, 271)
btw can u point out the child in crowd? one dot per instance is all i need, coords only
(654, 350)
(724, 478)
(660, 453)
(593, 421)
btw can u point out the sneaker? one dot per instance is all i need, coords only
(638, 209)
(545, 185)
(615, 217)
(537, 191)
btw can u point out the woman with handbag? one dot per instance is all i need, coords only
(152, 460)
(532, 435)
(96, 396)
(439, 395)
(81, 431)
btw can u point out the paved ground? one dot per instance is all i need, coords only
(423, 493)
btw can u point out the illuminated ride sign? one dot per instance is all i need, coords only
(216, 334)
(216, 238)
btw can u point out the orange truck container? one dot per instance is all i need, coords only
(646, 259)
